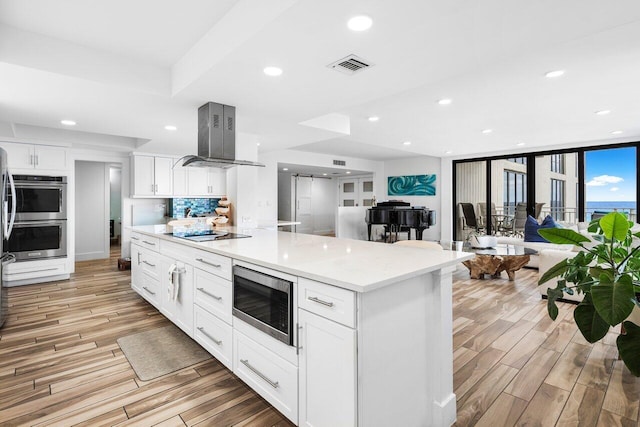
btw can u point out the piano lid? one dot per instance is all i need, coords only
(391, 203)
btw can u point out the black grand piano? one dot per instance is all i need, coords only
(398, 216)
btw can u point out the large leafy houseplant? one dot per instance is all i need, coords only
(608, 274)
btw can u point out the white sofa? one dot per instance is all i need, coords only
(549, 258)
(536, 246)
(581, 227)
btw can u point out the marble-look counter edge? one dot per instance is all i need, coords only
(459, 257)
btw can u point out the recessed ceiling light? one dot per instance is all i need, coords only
(603, 112)
(444, 101)
(407, 143)
(616, 132)
(170, 127)
(258, 144)
(448, 152)
(272, 71)
(348, 172)
(360, 23)
(374, 118)
(520, 144)
(324, 174)
(486, 131)
(285, 169)
(555, 73)
(68, 122)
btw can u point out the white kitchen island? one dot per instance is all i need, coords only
(373, 341)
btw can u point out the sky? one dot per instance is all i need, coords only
(611, 175)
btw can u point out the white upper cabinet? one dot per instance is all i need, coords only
(156, 176)
(152, 176)
(180, 180)
(207, 182)
(30, 156)
(198, 181)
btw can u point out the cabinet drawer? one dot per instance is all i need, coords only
(145, 241)
(268, 374)
(214, 335)
(150, 263)
(149, 289)
(328, 301)
(212, 263)
(213, 293)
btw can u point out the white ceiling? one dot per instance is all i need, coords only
(123, 70)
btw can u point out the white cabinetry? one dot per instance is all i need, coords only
(152, 176)
(213, 304)
(156, 176)
(145, 268)
(327, 355)
(31, 156)
(270, 375)
(176, 293)
(207, 182)
(327, 363)
(180, 180)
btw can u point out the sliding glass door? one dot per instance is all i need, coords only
(471, 197)
(570, 185)
(556, 187)
(611, 176)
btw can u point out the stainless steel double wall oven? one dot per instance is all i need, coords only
(40, 229)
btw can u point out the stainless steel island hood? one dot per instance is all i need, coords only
(216, 138)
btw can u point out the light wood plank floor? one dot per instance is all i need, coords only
(60, 363)
(513, 365)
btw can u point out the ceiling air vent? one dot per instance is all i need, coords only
(350, 65)
(339, 163)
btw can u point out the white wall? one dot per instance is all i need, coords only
(91, 210)
(324, 195)
(115, 199)
(284, 196)
(243, 187)
(267, 179)
(113, 159)
(419, 166)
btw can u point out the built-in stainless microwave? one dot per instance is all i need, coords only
(38, 240)
(265, 302)
(39, 197)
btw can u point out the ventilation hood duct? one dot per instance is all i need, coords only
(216, 138)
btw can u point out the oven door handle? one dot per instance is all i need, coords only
(8, 223)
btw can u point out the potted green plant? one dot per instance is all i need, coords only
(608, 274)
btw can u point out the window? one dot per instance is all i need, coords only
(557, 163)
(519, 160)
(557, 199)
(515, 190)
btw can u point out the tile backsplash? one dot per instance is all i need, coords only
(198, 206)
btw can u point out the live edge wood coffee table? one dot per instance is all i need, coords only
(494, 261)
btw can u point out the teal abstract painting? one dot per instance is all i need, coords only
(412, 185)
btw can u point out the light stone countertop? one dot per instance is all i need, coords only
(357, 265)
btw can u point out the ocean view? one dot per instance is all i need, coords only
(605, 206)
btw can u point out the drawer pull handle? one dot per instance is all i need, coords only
(319, 301)
(134, 238)
(273, 384)
(201, 329)
(147, 289)
(149, 264)
(208, 263)
(148, 243)
(203, 290)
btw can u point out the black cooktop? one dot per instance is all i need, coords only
(206, 235)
